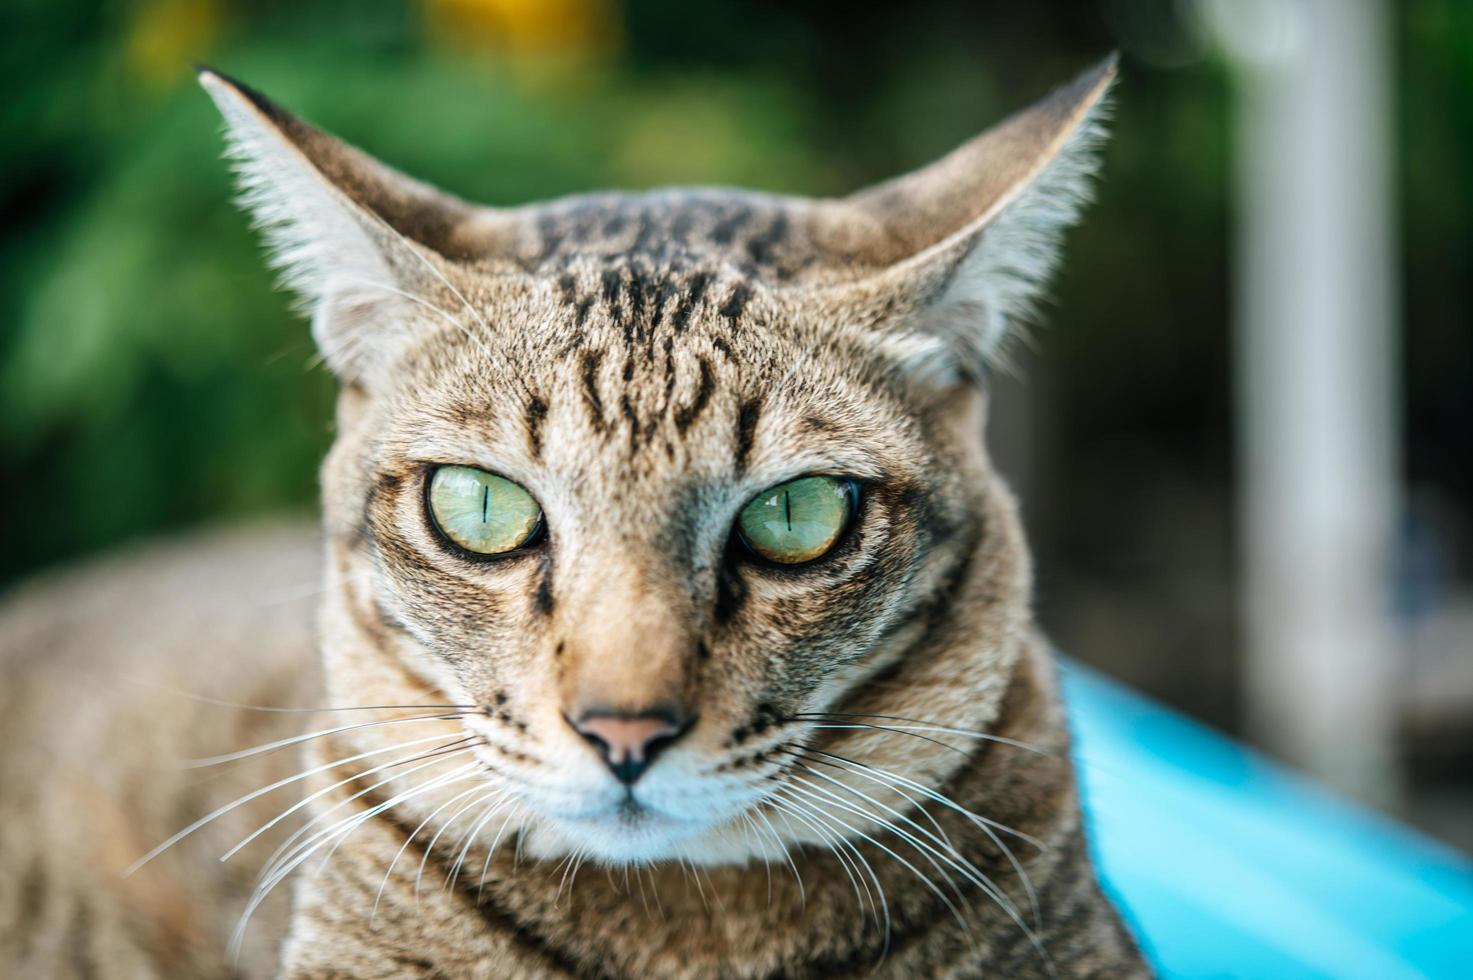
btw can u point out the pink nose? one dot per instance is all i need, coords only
(629, 743)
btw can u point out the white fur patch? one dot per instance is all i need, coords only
(324, 247)
(996, 288)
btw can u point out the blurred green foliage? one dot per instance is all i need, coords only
(152, 378)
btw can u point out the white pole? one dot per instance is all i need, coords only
(1316, 382)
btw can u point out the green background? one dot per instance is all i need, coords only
(152, 380)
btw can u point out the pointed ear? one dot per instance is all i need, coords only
(952, 256)
(361, 245)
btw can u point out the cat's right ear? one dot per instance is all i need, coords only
(364, 247)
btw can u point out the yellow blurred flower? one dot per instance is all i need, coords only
(166, 36)
(526, 27)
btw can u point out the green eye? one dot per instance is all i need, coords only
(798, 521)
(482, 512)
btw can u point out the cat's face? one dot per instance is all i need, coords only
(638, 592)
(652, 479)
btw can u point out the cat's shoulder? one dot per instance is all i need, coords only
(106, 668)
(164, 592)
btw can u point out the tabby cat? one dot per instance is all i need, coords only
(675, 623)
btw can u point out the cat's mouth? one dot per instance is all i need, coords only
(578, 809)
(630, 811)
(628, 832)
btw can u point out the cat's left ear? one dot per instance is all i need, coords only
(946, 260)
(363, 246)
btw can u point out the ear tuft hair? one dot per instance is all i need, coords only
(328, 216)
(994, 293)
(313, 234)
(959, 252)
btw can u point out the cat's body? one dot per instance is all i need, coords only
(862, 763)
(95, 730)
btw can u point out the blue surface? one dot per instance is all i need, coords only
(1229, 866)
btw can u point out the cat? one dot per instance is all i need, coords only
(677, 623)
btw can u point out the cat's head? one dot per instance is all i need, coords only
(657, 479)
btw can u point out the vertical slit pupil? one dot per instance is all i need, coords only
(485, 503)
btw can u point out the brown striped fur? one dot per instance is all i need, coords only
(643, 364)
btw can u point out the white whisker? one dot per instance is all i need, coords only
(424, 858)
(274, 861)
(344, 827)
(655, 889)
(410, 839)
(644, 899)
(415, 757)
(751, 832)
(490, 853)
(945, 839)
(414, 249)
(299, 739)
(912, 725)
(886, 776)
(570, 872)
(222, 810)
(968, 871)
(787, 857)
(433, 308)
(922, 876)
(834, 843)
(965, 867)
(492, 809)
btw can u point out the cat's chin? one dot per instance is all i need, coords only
(622, 837)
